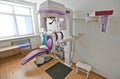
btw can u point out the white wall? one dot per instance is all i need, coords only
(99, 49)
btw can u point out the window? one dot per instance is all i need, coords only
(15, 20)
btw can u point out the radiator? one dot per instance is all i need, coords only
(20, 42)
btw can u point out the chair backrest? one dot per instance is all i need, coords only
(49, 43)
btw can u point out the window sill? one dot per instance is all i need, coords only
(13, 38)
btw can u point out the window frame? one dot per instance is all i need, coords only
(12, 4)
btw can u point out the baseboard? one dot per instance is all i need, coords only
(99, 75)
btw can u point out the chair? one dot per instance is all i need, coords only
(86, 68)
(39, 51)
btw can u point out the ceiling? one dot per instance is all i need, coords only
(83, 7)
